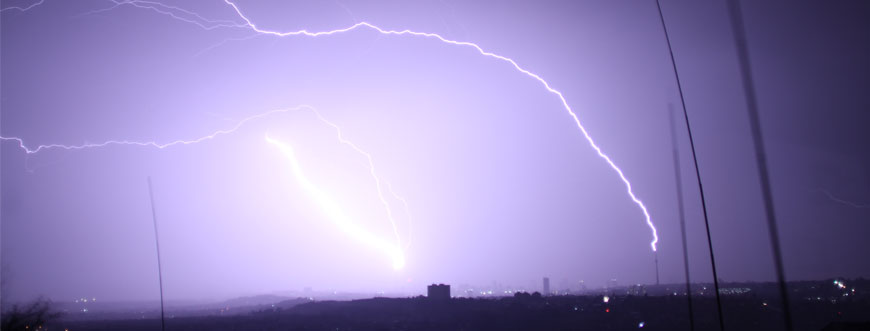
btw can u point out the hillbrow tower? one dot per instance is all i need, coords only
(546, 286)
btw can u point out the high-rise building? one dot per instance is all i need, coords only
(546, 286)
(439, 292)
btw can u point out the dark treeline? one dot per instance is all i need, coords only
(521, 312)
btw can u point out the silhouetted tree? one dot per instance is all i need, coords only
(31, 316)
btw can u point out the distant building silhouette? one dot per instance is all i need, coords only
(611, 284)
(547, 286)
(637, 289)
(439, 292)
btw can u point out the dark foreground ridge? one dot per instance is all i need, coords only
(743, 311)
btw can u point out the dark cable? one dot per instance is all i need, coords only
(157, 243)
(657, 268)
(697, 170)
(760, 156)
(679, 181)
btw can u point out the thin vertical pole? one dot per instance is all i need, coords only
(157, 244)
(760, 155)
(697, 169)
(657, 268)
(681, 209)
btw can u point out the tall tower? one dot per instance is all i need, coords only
(657, 267)
(546, 286)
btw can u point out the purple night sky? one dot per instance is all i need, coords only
(501, 185)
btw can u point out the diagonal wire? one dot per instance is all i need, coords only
(760, 157)
(679, 183)
(697, 170)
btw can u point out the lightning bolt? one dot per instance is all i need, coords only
(407, 212)
(175, 12)
(37, 149)
(480, 50)
(23, 9)
(845, 202)
(224, 42)
(334, 212)
(320, 198)
(198, 20)
(371, 171)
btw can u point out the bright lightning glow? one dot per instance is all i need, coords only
(334, 212)
(371, 171)
(154, 144)
(484, 53)
(193, 18)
